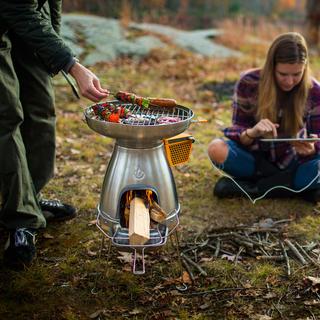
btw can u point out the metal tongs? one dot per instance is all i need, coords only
(73, 87)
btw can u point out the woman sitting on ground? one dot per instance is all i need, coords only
(281, 100)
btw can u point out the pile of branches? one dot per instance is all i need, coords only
(267, 240)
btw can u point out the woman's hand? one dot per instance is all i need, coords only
(305, 148)
(264, 128)
(88, 83)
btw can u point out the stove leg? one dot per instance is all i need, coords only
(134, 262)
(183, 285)
(98, 275)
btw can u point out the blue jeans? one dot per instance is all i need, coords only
(240, 163)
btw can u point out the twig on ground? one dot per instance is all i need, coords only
(238, 254)
(199, 293)
(218, 244)
(307, 255)
(285, 257)
(188, 269)
(245, 244)
(295, 251)
(194, 264)
(271, 258)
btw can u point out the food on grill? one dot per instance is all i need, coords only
(109, 112)
(142, 119)
(125, 114)
(165, 120)
(145, 102)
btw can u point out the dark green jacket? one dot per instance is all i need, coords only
(39, 30)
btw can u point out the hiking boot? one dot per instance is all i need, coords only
(20, 248)
(311, 195)
(226, 188)
(55, 210)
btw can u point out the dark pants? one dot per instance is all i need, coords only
(242, 164)
(27, 134)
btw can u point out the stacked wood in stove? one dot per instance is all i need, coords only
(141, 213)
(139, 222)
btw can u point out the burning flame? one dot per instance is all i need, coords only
(149, 197)
(128, 198)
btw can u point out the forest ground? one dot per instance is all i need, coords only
(73, 278)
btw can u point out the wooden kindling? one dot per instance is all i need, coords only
(139, 222)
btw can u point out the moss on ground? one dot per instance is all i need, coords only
(70, 280)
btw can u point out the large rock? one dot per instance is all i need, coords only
(104, 39)
(198, 41)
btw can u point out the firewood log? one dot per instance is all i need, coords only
(139, 222)
(157, 213)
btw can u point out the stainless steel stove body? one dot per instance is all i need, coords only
(139, 163)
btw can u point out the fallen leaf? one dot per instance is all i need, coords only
(102, 168)
(186, 278)
(91, 253)
(70, 140)
(270, 295)
(47, 235)
(247, 285)
(167, 313)
(92, 222)
(89, 171)
(229, 257)
(260, 317)
(312, 302)
(204, 306)
(266, 223)
(74, 151)
(125, 257)
(127, 268)
(314, 280)
(219, 122)
(158, 287)
(96, 314)
(204, 259)
(135, 311)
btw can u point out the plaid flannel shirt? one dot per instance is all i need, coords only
(244, 103)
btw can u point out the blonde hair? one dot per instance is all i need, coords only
(289, 47)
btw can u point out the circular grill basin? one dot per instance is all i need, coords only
(143, 131)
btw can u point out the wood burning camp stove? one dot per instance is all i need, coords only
(139, 167)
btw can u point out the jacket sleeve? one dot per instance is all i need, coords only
(243, 111)
(55, 11)
(23, 18)
(313, 114)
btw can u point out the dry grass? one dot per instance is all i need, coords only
(70, 281)
(252, 36)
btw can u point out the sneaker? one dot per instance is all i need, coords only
(55, 210)
(226, 188)
(312, 196)
(20, 248)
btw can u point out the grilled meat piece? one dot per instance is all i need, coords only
(145, 102)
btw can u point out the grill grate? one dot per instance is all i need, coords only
(140, 116)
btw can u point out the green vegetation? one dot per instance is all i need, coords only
(73, 279)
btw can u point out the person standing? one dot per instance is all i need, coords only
(31, 52)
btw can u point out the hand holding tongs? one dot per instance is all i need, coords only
(132, 98)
